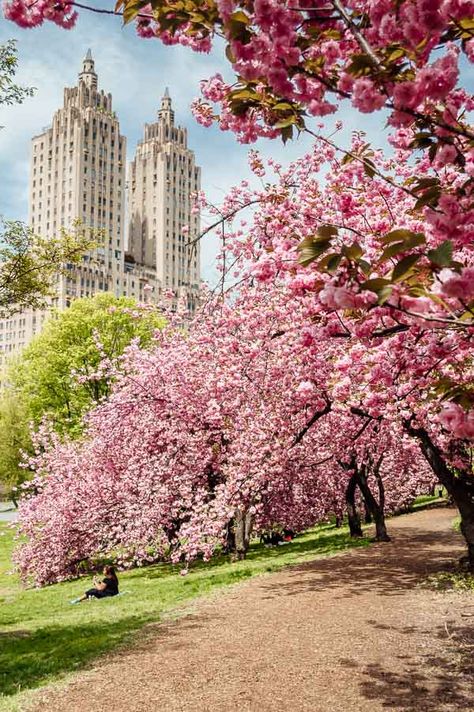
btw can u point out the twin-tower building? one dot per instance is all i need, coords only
(78, 172)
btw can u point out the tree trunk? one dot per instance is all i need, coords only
(381, 489)
(243, 531)
(374, 507)
(352, 513)
(249, 522)
(367, 514)
(460, 486)
(230, 538)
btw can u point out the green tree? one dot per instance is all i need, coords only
(63, 371)
(15, 440)
(29, 264)
(11, 93)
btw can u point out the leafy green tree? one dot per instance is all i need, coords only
(29, 264)
(15, 440)
(11, 93)
(65, 370)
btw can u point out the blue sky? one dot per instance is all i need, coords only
(136, 72)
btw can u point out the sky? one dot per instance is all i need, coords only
(136, 72)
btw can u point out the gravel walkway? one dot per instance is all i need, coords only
(351, 633)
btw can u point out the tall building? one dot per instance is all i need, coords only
(78, 172)
(162, 177)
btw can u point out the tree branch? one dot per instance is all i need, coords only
(319, 414)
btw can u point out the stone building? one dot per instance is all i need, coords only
(78, 173)
(161, 180)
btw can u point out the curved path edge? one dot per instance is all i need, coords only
(354, 632)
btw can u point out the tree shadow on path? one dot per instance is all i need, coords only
(428, 683)
(388, 569)
(441, 680)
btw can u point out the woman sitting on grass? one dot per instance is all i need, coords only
(102, 589)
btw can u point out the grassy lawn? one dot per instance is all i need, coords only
(425, 500)
(43, 637)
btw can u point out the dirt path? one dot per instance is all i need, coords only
(352, 633)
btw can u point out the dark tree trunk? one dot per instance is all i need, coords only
(381, 488)
(352, 513)
(374, 507)
(230, 538)
(243, 532)
(367, 514)
(460, 486)
(338, 522)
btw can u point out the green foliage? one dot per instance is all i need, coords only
(15, 440)
(407, 242)
(29, 264)
(450, 581)
(11, 93)
(42, 637)
(404, 267)
(447, 389)
(313, 247)
(442, 256)
(73, 342)
(46, 379)
(172, 14)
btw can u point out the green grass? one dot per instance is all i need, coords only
(450, 581)
(424, 501)
(43, 637)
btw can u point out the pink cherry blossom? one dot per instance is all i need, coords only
(366, 97)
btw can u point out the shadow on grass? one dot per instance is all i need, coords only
(30, 658)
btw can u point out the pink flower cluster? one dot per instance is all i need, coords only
(458, 421)
(202, 112)
(196, 431)
(31, 13)
(458, 285)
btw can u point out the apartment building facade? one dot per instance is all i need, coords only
(162, 178)
(78, 172)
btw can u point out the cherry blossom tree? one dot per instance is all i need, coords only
(400, 362)
(269, 406)
(229, 426)
(366, 259)
(297, 60)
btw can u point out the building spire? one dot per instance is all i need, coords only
(88, 75)
(166, 113)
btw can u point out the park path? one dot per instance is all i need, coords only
(351, 633)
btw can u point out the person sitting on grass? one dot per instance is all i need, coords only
(288, 534)
(102, 589)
